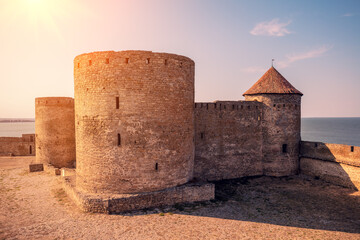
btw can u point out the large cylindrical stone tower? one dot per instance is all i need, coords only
(134, 121)
(55, 131)
(280, 123)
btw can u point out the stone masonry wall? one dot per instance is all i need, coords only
(18, 146)
(134, 121)
(336, 163)
(281, 132)
(228, 140)
(54, 131)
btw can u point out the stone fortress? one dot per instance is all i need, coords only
(139, 140)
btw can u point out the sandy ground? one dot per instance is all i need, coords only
(33, 206)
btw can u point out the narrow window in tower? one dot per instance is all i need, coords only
(316, 145)
(126, 60)
(202, 135)
(90, 62)
(207, 106)
(119, 139)
(181, 64)
(30, 149)
(156, 166)
(117, 102)
(166, 62)
(352, 148)
(224, 106)
(233, 106)
(107, 61)
(284, 148)
(147, 60)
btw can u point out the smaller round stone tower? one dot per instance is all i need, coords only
(55, 131)
(281, 122)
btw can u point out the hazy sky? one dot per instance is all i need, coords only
(315, 44)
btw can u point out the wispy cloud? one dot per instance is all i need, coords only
(301, 56)
(348, 15)
(318, 52)
(271, 28)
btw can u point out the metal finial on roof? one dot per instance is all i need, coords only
(272, 62)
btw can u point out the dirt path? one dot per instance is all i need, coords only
(33, 206)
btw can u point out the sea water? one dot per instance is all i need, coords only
(329, 130)
(16, 129)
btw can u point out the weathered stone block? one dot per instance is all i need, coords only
(38, 167)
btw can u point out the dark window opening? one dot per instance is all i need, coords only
(156, 166)
(256, 107)
(107, 61)
(195, 105)
(316, 145)
(207, 106)
(352, 148)
(126, 60)
(215, 105)
(166, 62)
(30, 149)
(242, 107)
(224, 106)
(283, 105)
(147, 60)
(90, 62)
(202, 135)
(117, 102)
(248, 107)
(274, 105)
(284, 148)
(181, 64)
(119, 139)
(233, 107)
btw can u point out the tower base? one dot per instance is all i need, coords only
(118, 203)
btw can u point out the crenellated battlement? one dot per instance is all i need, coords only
(229, 105)
(54, 101)
(129, 59)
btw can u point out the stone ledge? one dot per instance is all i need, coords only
(117, 203)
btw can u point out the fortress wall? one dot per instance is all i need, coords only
(281, 132)
(228, 140)
(134, 121)
(18, 146)
(54, 131)
(336, 163)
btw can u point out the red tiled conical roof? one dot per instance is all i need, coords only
(272, 82)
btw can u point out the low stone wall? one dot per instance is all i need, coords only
(18, 146)
(118, 203)
(335, 163)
